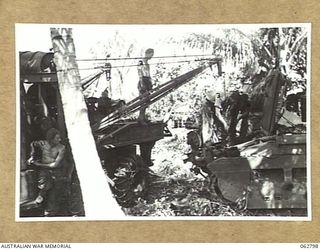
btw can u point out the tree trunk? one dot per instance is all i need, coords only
(97, 197)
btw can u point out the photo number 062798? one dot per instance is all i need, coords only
(163, 122)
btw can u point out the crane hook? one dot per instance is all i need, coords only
(108, 71)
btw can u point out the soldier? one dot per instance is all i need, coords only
(237, 109)
(212, 119)
(145, 82)
(50, 162)
(104, 103)
(233, 109)
(244, 114)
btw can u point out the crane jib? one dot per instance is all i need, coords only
(150, 97)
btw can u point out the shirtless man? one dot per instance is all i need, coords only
(212, 119)
(49, 161)
(145, 82)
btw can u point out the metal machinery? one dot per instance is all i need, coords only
(116, 138)
(265, 172)
(268, 171)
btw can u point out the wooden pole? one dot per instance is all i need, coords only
(97, 196)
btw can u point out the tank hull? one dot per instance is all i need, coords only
(267, 175)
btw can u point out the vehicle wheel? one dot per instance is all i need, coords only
(130, 177)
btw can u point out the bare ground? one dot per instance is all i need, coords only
(176, 191)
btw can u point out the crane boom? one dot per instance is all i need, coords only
(153, 95)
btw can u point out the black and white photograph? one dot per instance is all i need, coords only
(163, 122)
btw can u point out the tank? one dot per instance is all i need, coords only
(269, 170)
(269, 174)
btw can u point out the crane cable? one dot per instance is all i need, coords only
(137, 58)
(89, 82)
(135, 65)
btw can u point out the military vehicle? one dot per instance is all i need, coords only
(117, 138)
(268, 171)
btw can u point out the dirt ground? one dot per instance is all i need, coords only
(176, 191)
